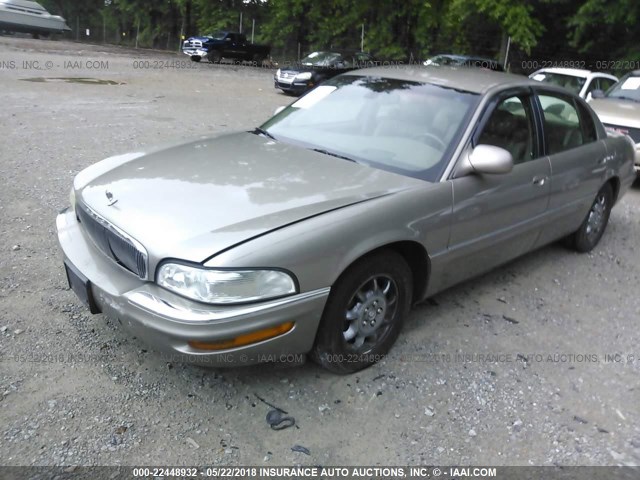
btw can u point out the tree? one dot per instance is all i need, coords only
(607, 30)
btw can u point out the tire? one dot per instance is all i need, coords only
(195, 58)
(364, 313)
(595, 223)
(214, 57)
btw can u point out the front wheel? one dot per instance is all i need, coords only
(364, 313)
(214, 57)
(595, 223)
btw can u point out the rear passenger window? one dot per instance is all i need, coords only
(562, 124)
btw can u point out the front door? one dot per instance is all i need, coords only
(497, 217)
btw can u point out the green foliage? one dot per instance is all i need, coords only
(394, 29)
(607, 29)
(514, 17)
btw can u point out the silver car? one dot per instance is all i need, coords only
(619, 109)
(315, 233)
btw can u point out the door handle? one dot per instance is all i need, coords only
(539, 180)
(606, 159)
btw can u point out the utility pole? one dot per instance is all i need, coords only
(506, 54)
(240, 28)
(253, 28)
(362, 39)
(181, 36)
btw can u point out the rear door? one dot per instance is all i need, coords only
(578, 161)
(498, 217)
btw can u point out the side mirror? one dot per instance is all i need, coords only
(278, 110)
(490, 159)
(486, 159)
(597, 94)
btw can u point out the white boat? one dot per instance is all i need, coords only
(29, 17)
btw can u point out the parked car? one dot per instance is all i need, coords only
(221, 45)
(447, 60)
(316, 68)
(29, 17)
(316, 232)
(619, 108)
(580, 82)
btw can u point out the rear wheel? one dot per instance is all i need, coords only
(595, 223)
(364, 313)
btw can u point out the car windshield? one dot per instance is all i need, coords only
(217, 35)
(444, 60)
(405, 127)
(628, 88)
(321, 59)
(569, 82)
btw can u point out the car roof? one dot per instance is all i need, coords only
(475, 80)
(449, 55)
(463, 57)
(338, 52)
(574, 72)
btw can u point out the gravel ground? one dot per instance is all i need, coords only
(77, 389)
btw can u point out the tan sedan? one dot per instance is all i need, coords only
(316, 232)
(619, 109)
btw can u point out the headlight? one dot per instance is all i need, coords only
(72, 198)
(304, 76)
(225, 286)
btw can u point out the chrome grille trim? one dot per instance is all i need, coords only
(193, 43)
(116, 244)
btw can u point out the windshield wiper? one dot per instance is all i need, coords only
(337, 155)
(262, 131)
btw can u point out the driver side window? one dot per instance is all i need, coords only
(510, 126)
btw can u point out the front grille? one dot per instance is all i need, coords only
(193, 44)
(114, 243)
(634, 133)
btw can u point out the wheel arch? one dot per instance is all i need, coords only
(417, 259)
(615, 186)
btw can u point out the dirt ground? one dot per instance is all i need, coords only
(536, 363)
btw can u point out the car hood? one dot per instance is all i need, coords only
(194, 200)
(614, 111)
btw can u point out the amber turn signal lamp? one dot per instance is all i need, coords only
(245, 339)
